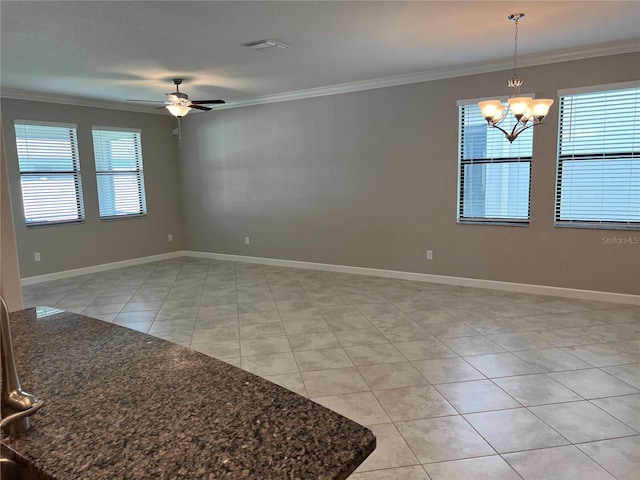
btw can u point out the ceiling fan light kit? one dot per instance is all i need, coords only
(178, 110)
(527, 111)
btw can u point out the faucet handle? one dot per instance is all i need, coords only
(17, 400)
(15, 417)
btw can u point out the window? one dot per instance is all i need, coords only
(118, 155)
(494, 175)
(598, 175)
(49, 173)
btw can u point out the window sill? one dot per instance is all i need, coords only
(122, 217)
(54, 224)
(596, 226)
(502, 223)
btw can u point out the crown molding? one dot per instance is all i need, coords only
(16, 94)
(615, 48)
(448, 72)
(73, 100)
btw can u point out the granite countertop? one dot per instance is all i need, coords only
(120, 404)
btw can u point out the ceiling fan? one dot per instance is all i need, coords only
(178, 103)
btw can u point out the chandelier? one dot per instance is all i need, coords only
(527, 111)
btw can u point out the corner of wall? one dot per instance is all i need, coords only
(9, 271)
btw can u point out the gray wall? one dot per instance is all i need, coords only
(369, 179)
(97, 242)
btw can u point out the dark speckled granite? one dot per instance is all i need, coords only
(120, 404)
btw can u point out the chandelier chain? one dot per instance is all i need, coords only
(515, 49)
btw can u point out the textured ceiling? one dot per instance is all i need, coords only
(111, 51)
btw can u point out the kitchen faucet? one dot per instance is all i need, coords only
(16, 405)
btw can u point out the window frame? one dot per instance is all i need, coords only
(99, 156)
(462, 162)
(74, 172)
(604, 156)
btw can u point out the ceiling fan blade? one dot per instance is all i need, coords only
(200, 107)
(146, 101)
(202, 102)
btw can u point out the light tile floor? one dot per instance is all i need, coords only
(457, 383)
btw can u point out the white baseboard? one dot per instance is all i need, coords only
(99, 268)
(425, 277)
(375, 272)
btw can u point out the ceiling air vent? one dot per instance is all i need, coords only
(262, 44)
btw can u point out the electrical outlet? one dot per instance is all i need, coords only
(247, 241)
(429, 254)
(36, 256)
(170, 237)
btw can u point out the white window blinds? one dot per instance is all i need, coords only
(598, 175)
(494, 175)
(49, 173)
(119, 172)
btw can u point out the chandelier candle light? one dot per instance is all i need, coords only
(527, 111)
